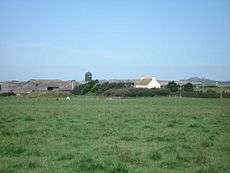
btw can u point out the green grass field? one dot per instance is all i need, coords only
(93, 134)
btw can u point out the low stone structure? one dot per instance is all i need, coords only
(36, 85)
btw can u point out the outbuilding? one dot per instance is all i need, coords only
(147, 82)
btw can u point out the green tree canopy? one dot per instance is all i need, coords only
(173, 86)
(188, 87)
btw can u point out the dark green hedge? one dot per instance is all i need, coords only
(141, 92)
(99, 88)
(136, 92)
(127, 90)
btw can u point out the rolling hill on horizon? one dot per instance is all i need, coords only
(205, 81)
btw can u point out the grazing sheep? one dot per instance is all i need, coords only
(110, 98)
(67, 98)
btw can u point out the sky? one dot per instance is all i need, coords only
(114, 39)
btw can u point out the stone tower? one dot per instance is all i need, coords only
(88, 76)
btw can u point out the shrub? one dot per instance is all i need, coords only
(117, 93)
(144, 92)
(188, 87)
(211, 91)
(161, 92)
(85, 88)
(173, 86)
(99, 88)
(136, 92)
(226, 95)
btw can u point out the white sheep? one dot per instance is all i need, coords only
(67, 98)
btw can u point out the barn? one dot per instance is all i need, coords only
(147, 82)
(36, 85)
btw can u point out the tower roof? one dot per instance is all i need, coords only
(88, 73)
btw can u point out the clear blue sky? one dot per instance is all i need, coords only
(51, 39)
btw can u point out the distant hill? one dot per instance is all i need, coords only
(205, 81)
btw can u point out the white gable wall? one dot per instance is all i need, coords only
(153, 84)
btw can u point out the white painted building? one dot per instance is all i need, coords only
(147, 82)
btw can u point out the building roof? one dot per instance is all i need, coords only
(144, 81)
(88, 73)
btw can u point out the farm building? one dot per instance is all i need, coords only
(147, 82)
(36, 85)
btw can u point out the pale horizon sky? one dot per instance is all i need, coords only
(119, 39)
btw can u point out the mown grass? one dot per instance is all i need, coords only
(93, 134)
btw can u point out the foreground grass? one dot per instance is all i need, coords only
(120, 135)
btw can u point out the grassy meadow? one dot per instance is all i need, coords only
(97, 134)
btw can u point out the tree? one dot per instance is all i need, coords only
(188, 87)
(94, 86)
(85, 88)
(173, 86)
